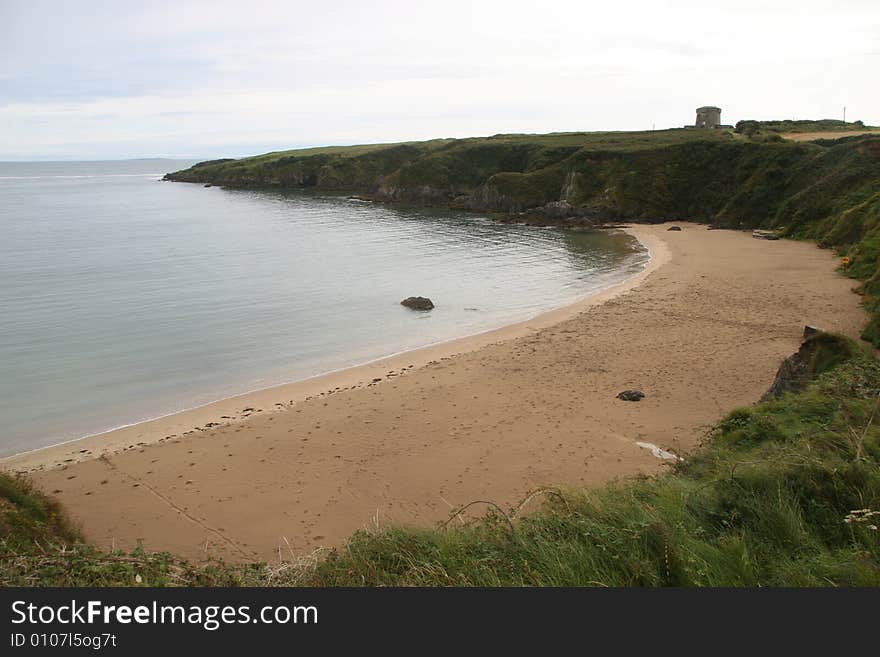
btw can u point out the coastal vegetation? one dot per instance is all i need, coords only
(826, 190)
(782, 493)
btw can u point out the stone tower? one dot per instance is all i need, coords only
(708, 117)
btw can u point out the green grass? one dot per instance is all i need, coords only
(777, 496)
(27, 516)
(450, 165)
(40, 547)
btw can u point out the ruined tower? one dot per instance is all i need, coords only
(708, 117)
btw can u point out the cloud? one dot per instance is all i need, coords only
(101, 79)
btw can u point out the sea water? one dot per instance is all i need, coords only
(124, 298)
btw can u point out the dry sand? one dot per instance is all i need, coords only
(484, 418)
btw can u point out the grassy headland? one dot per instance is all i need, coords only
(826, 190)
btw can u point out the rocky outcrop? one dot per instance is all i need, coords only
(631, 395)
(418, 303)
(419, 194)
(569, 189)
(818, 353)
(487, 198)
(559, 210)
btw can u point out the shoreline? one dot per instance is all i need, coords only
(187, 421)
(533, 406)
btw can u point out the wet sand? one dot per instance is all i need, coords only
(489, 417)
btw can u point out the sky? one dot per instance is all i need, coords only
(121, 79)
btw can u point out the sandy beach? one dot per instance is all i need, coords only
(283, 471)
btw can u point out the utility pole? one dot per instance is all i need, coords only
(844, 113)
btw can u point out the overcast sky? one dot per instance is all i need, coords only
(121, 79)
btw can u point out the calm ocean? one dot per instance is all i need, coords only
(124, 298)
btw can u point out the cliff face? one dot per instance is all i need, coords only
(827, 190)
(715, 177)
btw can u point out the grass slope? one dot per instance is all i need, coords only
(784, 493)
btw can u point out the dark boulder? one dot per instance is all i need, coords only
(417, 303)
(678, 228)
(818, 353)
(631, 395)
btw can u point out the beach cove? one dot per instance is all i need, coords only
(489, 417)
